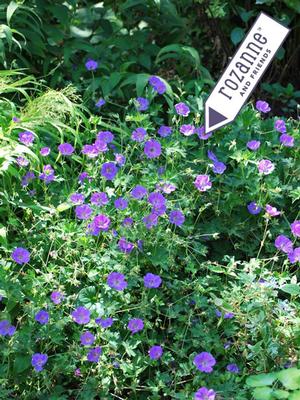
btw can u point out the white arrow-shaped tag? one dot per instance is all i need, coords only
(244, 71)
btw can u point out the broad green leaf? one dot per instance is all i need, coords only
(261, 380)
(141, 82)
(291, 288)
(295, 395)
(237, 35)
(290, 378)
(281, 394)
(263, 393)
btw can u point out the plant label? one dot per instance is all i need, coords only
(245, 70)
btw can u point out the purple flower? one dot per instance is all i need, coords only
(87, 339)
(116, 280)
(138, 192)
(84, 176)
(66, 149)
(121, 203)
(253, 145)
(90, 150)
(38, 361)
(262, 106)
(254, 208)
(83, 211)
(157, 84)
(104, 322)
(6, 328)
(77, 198)
(56, 297)
(125, 246)
(294, 256)
(120, 159)
(187, 130)
(45, 151)
(152, 281)
(135, 325)
(212, 156)
(16, 119)
(152, 148)
(161, 170)
(94, 354)
(233, 368)
(201, 133)
(219, 167)
(105, 136)
(99, 198)
(284, 244)
(156, 199)
(182, 109)
(48, 174)
(22, 161)
(109, 170)
(127, 222)
(168, 188)
(29, 176)
(77, 372)
(159, 210)
(150, 220)
(20, 255)
(205, 394)
(202, 183)
(101, 222)
(155, 352)
(91, 65)
(228, 315)
(101, 146)
(272, 211)
(81, 315)
(176, 217)
(139, 135)
(164, 131)
(265, 167)
(287, 140)
(218, 313)
(26, 138)
(100, 103)
(204, 362)
(280, 126)
(143, 104)
(295, 228)
(42, 317)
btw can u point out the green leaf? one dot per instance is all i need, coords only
(280, 394)
(237, 35)
(261, 380)
(22, 362)
(295, 396)
(263, 393)
(178, 51)
(63, 207)
(294, 4)
(12, 7)
(82, 33)
(291, 288)
(141, 82)
(290, 378)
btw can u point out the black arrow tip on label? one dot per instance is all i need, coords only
(214, 117)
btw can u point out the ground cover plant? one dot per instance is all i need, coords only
(142, 258)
